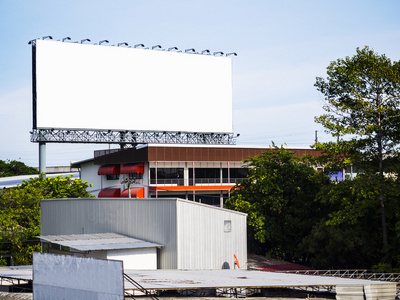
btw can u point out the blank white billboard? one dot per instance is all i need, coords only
(84, 86)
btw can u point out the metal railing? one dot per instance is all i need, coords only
(358, 274)
(138, 287)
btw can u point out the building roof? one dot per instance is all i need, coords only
(12, 181)
(207, 279)
(97, 241)
(210, 279)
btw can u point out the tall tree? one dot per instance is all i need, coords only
(20, 212)
(278, 197)
(362, 97)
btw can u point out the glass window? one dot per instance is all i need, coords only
(166, 176)
(205, 175)
(235, 174)
(112, 177)
(136, 176)
(238, 173)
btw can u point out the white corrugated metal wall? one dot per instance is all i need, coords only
(202, 240)
(192, 233)
(147, 219)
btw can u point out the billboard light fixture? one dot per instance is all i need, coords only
(156, 46)
(103, 41)
(122, 44)
(232, 53)
(138, 45)
(47, 37)
(172, 48)
(205, 51)
(190, 50)
(218, 53)
(85, 40)
(66, 38)
(31, 41)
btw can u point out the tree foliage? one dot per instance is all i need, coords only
(20, 212)
(362, 96)
(15, 168)
(347, 237)
(278, 197)
(294, 214)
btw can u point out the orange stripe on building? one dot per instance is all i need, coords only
(193, 188)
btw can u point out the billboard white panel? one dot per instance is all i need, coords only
(68, 277)
(84, 86)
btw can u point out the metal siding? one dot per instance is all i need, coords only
(152, 220)
(202, 242)
(192, 234)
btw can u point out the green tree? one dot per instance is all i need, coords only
(20, 212)
(347, 237)
(278, 197)
(362, 96)
(15, 168)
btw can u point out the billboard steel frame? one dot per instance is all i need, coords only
(127, 138)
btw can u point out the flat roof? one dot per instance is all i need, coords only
(12, 181)
(98, 241)
(17, 272)
(222, 146)
(211, 279)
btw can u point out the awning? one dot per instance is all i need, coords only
(109, 193)
(135, 193)
(132, 169)
(108, 170)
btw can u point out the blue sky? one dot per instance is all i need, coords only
(282, 46)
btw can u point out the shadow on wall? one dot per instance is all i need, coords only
(226, 265)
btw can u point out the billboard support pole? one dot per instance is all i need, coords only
(42, 159)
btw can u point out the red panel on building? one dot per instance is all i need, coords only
(135, 193)
(108, 170)
(132, 169)
(109, 193)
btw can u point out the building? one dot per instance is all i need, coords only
(202, 173)
(185, 234)
(134, 253)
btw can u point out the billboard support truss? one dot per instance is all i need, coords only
(127, 138)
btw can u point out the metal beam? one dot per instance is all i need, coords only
(128, 138)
